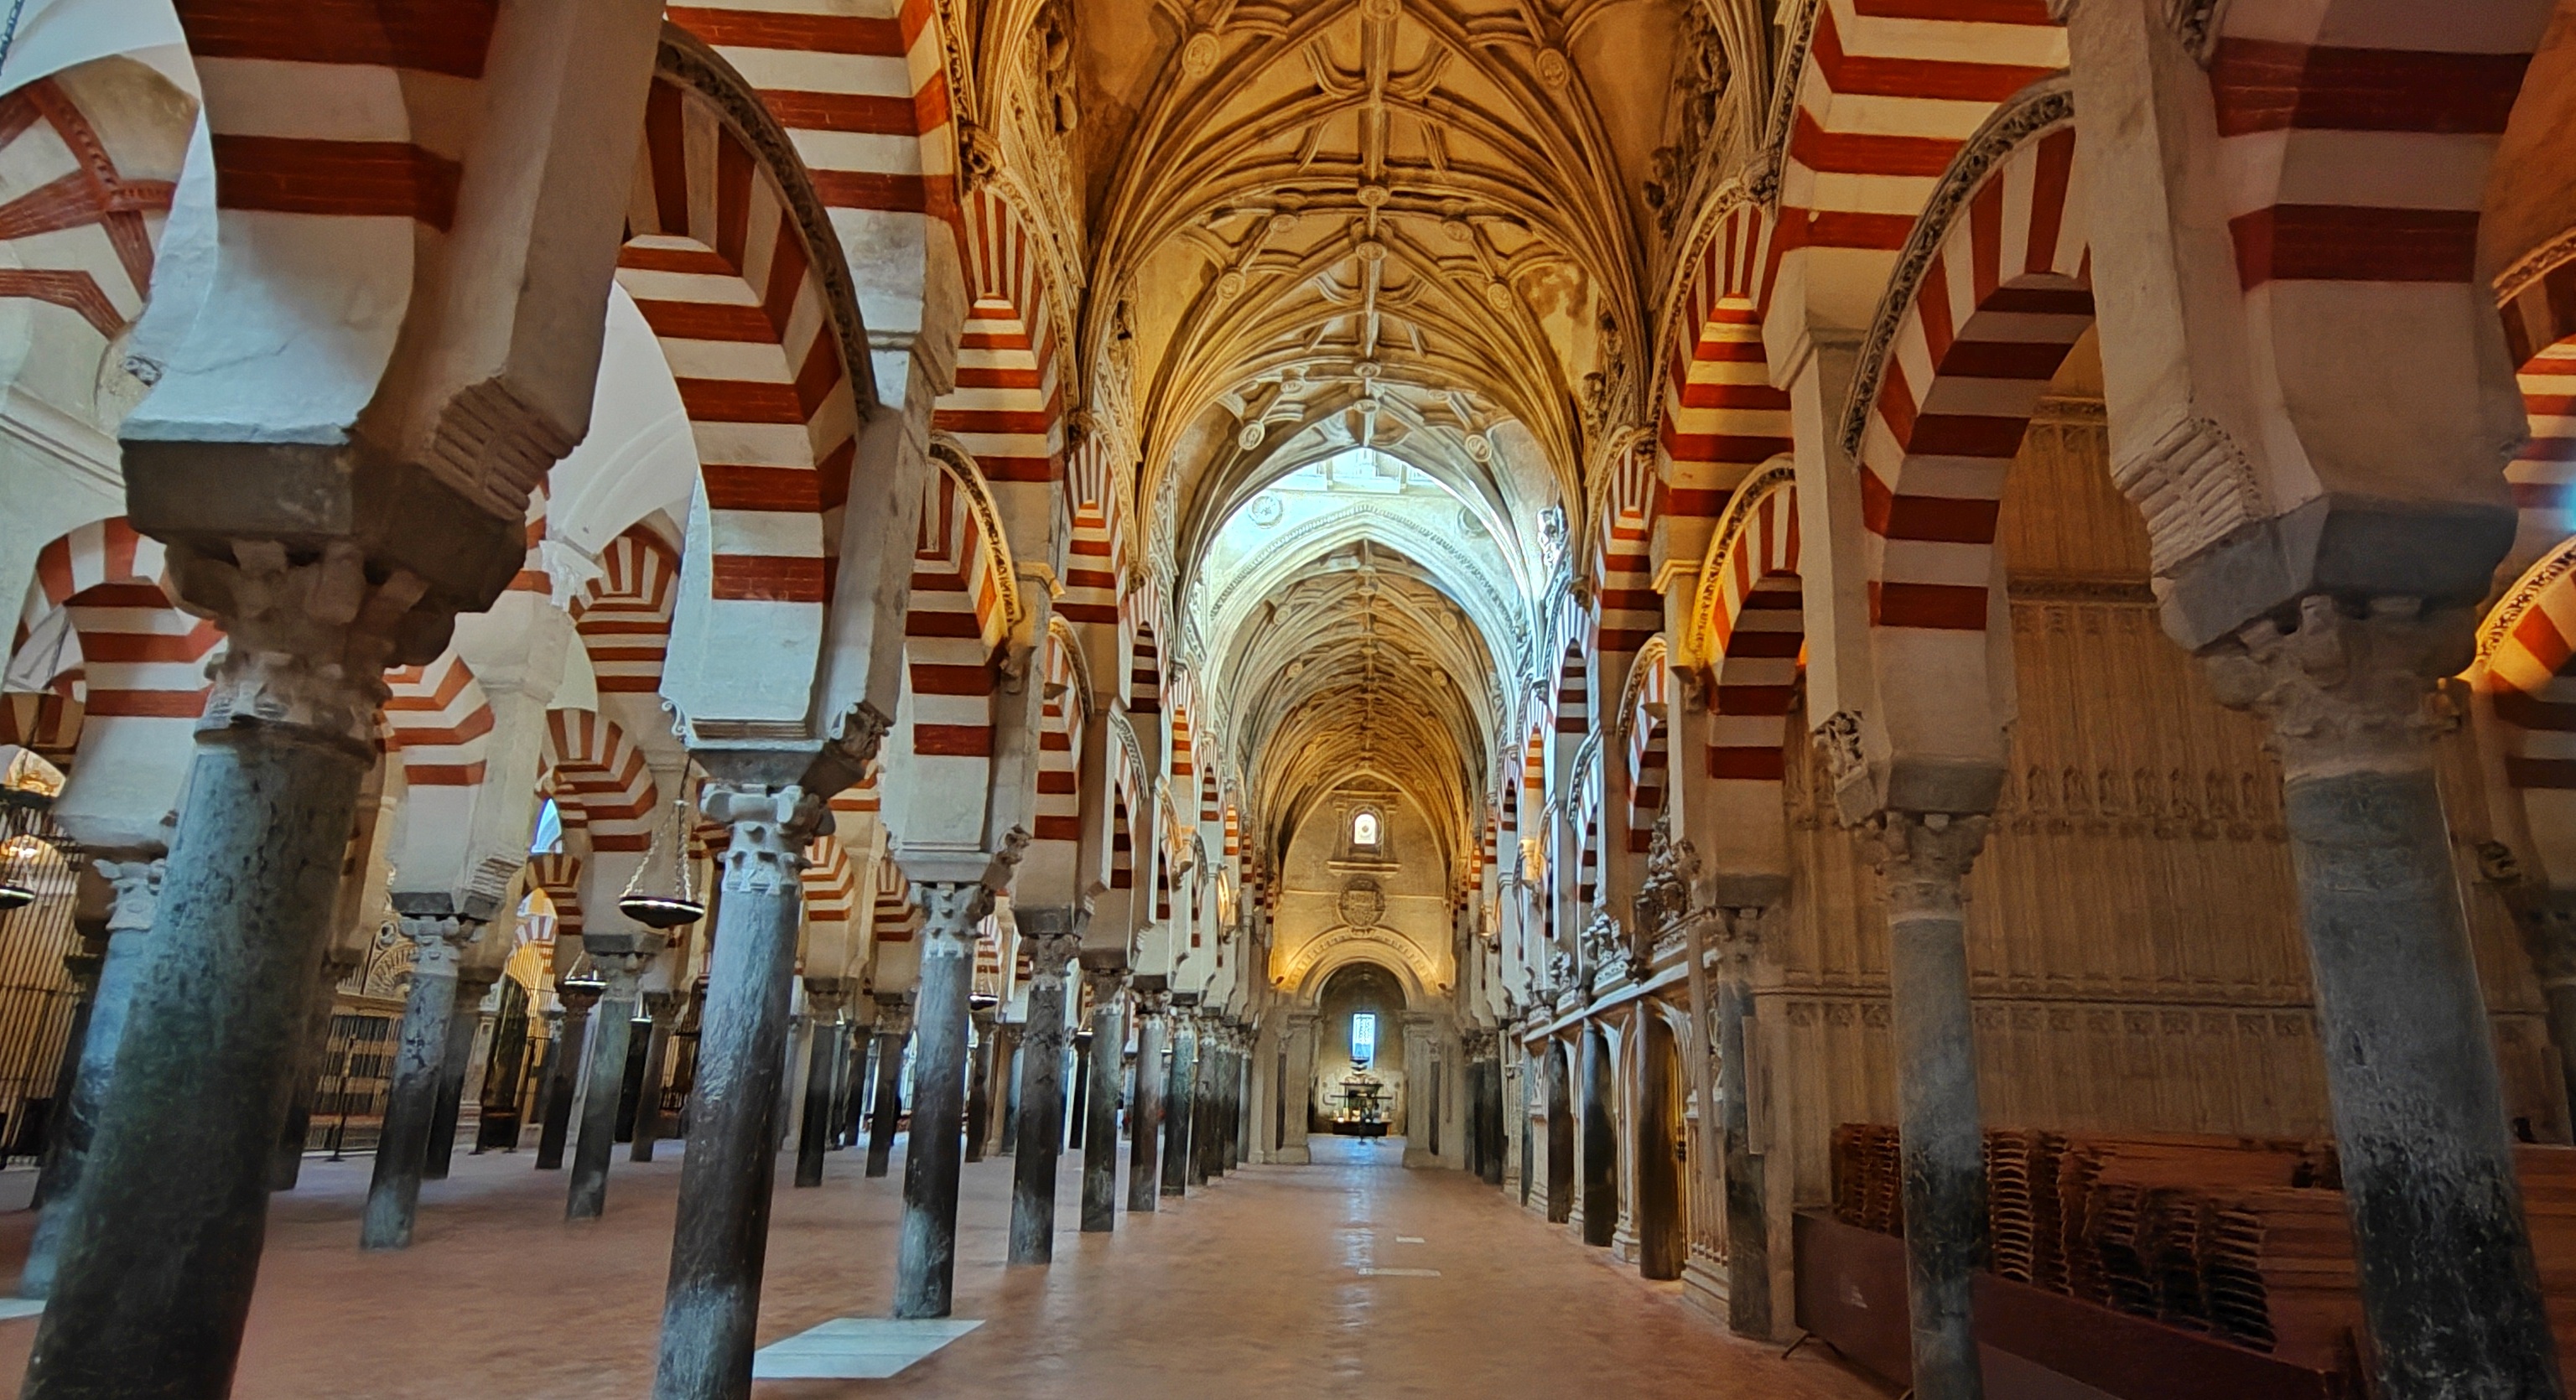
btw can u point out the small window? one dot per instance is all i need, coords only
(1364, 829)
(1363, 1038)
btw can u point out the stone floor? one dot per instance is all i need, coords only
(1249, 1290)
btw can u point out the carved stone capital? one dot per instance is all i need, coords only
(307, 643)
(664, 1008)
(2345, 691)
(136, 887)
(620, 969)
(577, 1000)
(824, 997)
(438, 942)
(1922, 857)
(949, 914)
(771, 827)
(1050, 956)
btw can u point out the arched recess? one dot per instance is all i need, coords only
(1662, 1206)
(731, 260)
(1952, 370)
(99, 630)
(1722, 419)
(1560, 1133)
(831, 884)
(1050, 873)
(600, 771)
(441, 725)
(1007, 410)
(558, 873)
(624, 615)
(1749, 622)
(1642, 715)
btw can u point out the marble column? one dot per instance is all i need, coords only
(1180, 1094)
(2447, 1279)
(926, 1262)
(979, 1082)
(1100, 1125)
(1600, 1141)
(137, 888)
(1297, 1090)
(1041, 1124)
(154, 1282)
(82, 966)
(1078, 1112)
(861, 1074)
(664, 1008)
(823, 998)
(1748, 1221)
(305, 1087)
(621, 969)
(464, 1025)
(563, 1070)
(894, 1028)
(1145, 1115)
(438, 937)
(720, 1240)
(1922, 858)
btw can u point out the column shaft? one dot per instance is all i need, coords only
(586, 1195)
(1180, 1106)
(926, 1262)
(563, 1076)
(420, 1058)
(1100, 1126)
(657, 1067)
(1145, 1117)
(979, 1088)
(305, 1079)
(1041, 1122)
(814, 1127)
(155, 1281)
(889, 1101)
(77, 1124)
(1748, 1225)
(464, 1023)
(1600, 1143)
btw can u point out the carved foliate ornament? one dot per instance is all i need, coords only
(2345, 689)
(1922, 857)
(306, 644)
(771, 829)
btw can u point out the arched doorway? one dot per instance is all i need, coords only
(1560, 1134)
(1359, 1084)
(1663, 1227)
(1600, 1141)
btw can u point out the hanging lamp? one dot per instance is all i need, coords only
(660, 895)
(18, 851)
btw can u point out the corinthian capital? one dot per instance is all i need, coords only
(2345, 689)
(771, 825)
(1923, 856)
(307, 642)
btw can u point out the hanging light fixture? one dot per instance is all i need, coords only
(20, 851)
(660, 895)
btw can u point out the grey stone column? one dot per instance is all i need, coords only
(823, 998)
(1748, 1221)
(305, 1087)
(1600, 1141)
(464, 1023)
(1145, 1115)
(1495, 1150)
(1922, 858)
(155, 1281)
(861, 1073)
(926, 1264)
(137, 886)
(563, 1072)
(2447, 1280)
(721, 1237)
(1180, 1094)
(664, 1008)
(1562, 1169)
(979, 1079)
(1078, 1111)
(621, 966)
(82, 965)
(438, 937)
(1041, 1125)
(894, 1027)
(1100, 1126)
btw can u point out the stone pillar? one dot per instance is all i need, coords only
(155, 1280)
(1561, 1167)
(926, 1264)
(621, 967)
(1145, 1117)
(664, 1008)
(862, 1074)
(1922, 857)
(1748, 1222)
(894, 1027)
(305, 1087)
(1180, 1094)
(1491, 1111)
(1052, 943)
(82, 965)
(2447, 1280)
(1600, 1141)
(1207, 1074)
(1297, 1090)
(438, 938)
(1079, 1086)
(137, 887)
(979, 1081)
(721, 1237)
(464, 1024)
(823, 997)
(563, 1070)
(1100, 1126)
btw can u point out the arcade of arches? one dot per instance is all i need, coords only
(1896, 663)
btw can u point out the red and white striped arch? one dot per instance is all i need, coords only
(2540, 331)
(1886, 92)
(558, 873)
(442, 725)
(1573, 697)
(2004, 297)
(960, 612)
(718, 265)
(831, 885)
(1059, 809)
(863, 94)
(1751, 621)
(79, 230)
(1722, 418)
(1628, 610)
(1647, 710)
(598, 769)
(1098, 537)
(139, 657)
(624, 616)
(2524, 682)
(1008, 408)
(1140, 613)
(894, 914)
